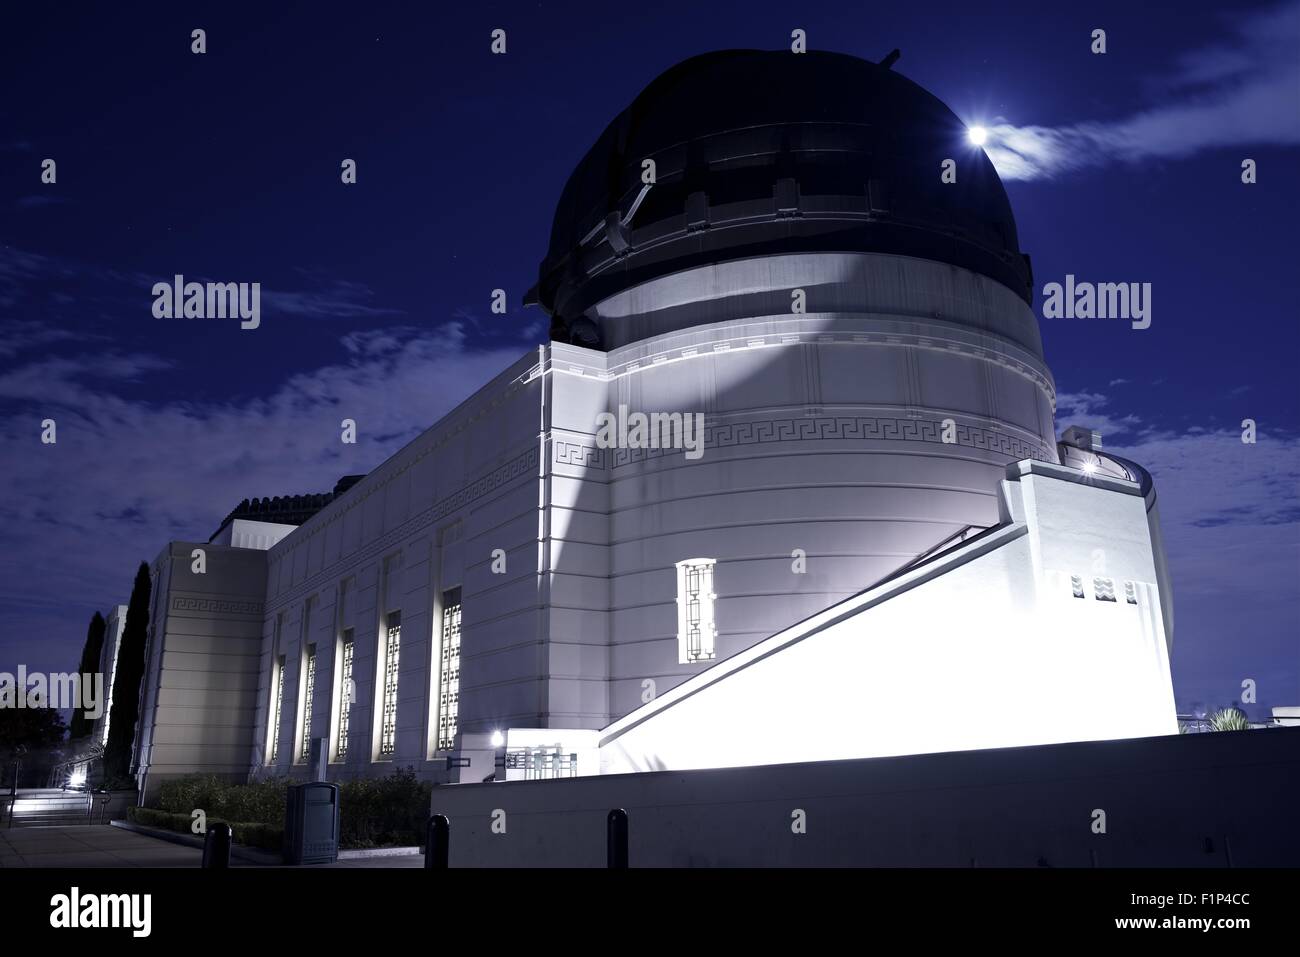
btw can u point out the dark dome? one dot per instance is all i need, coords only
(762, 152)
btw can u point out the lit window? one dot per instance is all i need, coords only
(275, 713)
(1076, 586)
(449, 671)
(1103, 589)
(306, 702)
(392, 651)
(346, 687)
(696, 628)
(1130, 593)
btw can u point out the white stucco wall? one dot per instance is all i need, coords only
(824, 437)
(983, 647)
(824, 434)
(198, 693)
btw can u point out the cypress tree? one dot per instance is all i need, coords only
(126, 684)
(81, 726)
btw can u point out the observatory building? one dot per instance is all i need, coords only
(874, 543)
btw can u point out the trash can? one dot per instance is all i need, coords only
(311, 823)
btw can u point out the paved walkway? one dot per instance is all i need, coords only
(105, 846)
(93, 846)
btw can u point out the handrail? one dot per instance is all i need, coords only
(933, 552)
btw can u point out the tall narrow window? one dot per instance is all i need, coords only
(275, 713)
(347, 690)
(449, 671)
(310, 686)
(392, 650)
(696, 629)
(276, 687)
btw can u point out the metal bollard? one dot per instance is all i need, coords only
(437, 838)
(616, 839)
(216, 847)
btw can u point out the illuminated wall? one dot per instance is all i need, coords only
(988, 645)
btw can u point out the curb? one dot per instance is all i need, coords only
(244, 853)
(364, 853)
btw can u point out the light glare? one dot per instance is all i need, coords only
(978, 135)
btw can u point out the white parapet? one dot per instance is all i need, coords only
(1047, 628)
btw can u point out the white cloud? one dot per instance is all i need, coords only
(127, 476)
(1243, 93)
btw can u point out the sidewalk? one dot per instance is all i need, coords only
(90, 846)
(107, 846)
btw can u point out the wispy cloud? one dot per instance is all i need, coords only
(338, 300)
(1245, 92)
(1091, 409)
(127, 475)
(1230, 516)
(37, 200)
(25, 276)
(22, 335)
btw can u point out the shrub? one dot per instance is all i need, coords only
(379, 812)
(374, 812)
(248, 833)
(261, 802)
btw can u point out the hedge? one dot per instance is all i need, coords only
(374, 812)
(384, 812)
(261, 802)
(252, 834)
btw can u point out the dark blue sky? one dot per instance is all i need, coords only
(226, 166)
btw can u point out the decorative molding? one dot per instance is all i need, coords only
(575, 453)
(963, 341)
(808, 428)
(221, 606)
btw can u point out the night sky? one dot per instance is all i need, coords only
(375, 304)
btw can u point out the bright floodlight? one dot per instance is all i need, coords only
(1090, 467)
(498, 739)
(978, 135)
(78, 778)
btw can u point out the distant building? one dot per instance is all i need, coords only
(876, 529)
